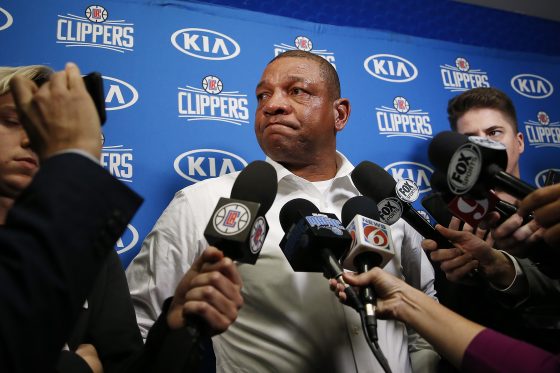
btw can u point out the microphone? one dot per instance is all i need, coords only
(371, 247)
(374, 182)
(472, 210)
(314, 241)
(238, 226)
(474, 165)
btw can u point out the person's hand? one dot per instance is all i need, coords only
(512, 235)
(388, 288)
(494, 265)
(454, 262)
(545, 204)
(211, 289)
(59, 115)
(89, 354)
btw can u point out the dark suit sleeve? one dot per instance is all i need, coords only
(56, 237)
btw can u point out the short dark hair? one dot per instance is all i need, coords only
(328, 72)
(481, 98)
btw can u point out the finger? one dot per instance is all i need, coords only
(362, 279)
(460, 272)
(508, 226)
(22, 90)
(220, 283)
(490, 220)
(445, 254)
(451, 234)
(429, 245)
(548, 215)
(480, 233)
(215, 299)
(209, 255)
(73, 76)
(454, 264)
(227, 267)
(57, 83)
(468, 228)
(216, 320)
(455, 224)
(539, 198)
(525, 231)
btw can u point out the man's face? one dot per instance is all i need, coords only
(18, 163)
(491, 123)
(295, 117)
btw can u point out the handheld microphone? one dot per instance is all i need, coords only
(314, 241)
(373, 181)
(238, 226)
(371, 247)
(474, 165)
(472, 210)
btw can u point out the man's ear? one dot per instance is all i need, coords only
(341, 109)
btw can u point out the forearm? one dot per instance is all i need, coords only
(449, 333)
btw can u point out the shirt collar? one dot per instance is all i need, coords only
(343, 165)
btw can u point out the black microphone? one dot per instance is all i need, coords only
(474, 165)
(371, 247)
(314, 242)
(373, 181)
(238, 226)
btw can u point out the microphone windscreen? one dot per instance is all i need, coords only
(373, 181)
(443, 146)
(359, 205)
(294, 210)
(256, 183)
(438, 182)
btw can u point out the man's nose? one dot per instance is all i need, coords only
(277, 104)
(25, 143)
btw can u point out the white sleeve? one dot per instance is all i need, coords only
(166, 254)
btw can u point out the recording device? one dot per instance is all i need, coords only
(474, 165)
(314, 242)
(371, 247)
(373, 181)
(94, 85)
(238, 226)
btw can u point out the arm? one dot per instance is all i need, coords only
(51, 248)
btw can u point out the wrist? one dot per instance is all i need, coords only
(500, 271)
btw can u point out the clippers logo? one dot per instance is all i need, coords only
(390, 68)
(6, 19)
(96, 13)
(205, 44)
(464, 169)
(120, 94)
(231, 219)
(324, 222)
(197, 165)
(461, 77)
(303, 43)
(128, 240)
(417, 172)
(258, 235)
(211, 103)
(400, 121)
(532, 86)
(542, 132)
(118, 161)
(95, 31)
(376, 235)
(540, 179)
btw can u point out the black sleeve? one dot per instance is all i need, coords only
(55, 239)
(171, 351)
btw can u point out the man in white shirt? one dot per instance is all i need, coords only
(290, 322)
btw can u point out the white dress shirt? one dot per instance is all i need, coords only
(290, 322)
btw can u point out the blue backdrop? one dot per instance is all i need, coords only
(180, 79)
